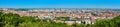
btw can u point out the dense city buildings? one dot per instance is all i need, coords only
(73, 15)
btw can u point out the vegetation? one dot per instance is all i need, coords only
(14, 20)
(59, 18)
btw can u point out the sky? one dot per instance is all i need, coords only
(59, 3)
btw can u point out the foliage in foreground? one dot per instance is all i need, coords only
(14, 20)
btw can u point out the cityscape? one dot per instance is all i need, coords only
(59, 13)
(74, 15)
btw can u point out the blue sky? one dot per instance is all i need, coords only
(59, 3)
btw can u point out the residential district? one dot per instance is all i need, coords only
(75, 15)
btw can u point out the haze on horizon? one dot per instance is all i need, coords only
(59, 3)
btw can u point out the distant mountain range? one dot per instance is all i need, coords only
(112, 9)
